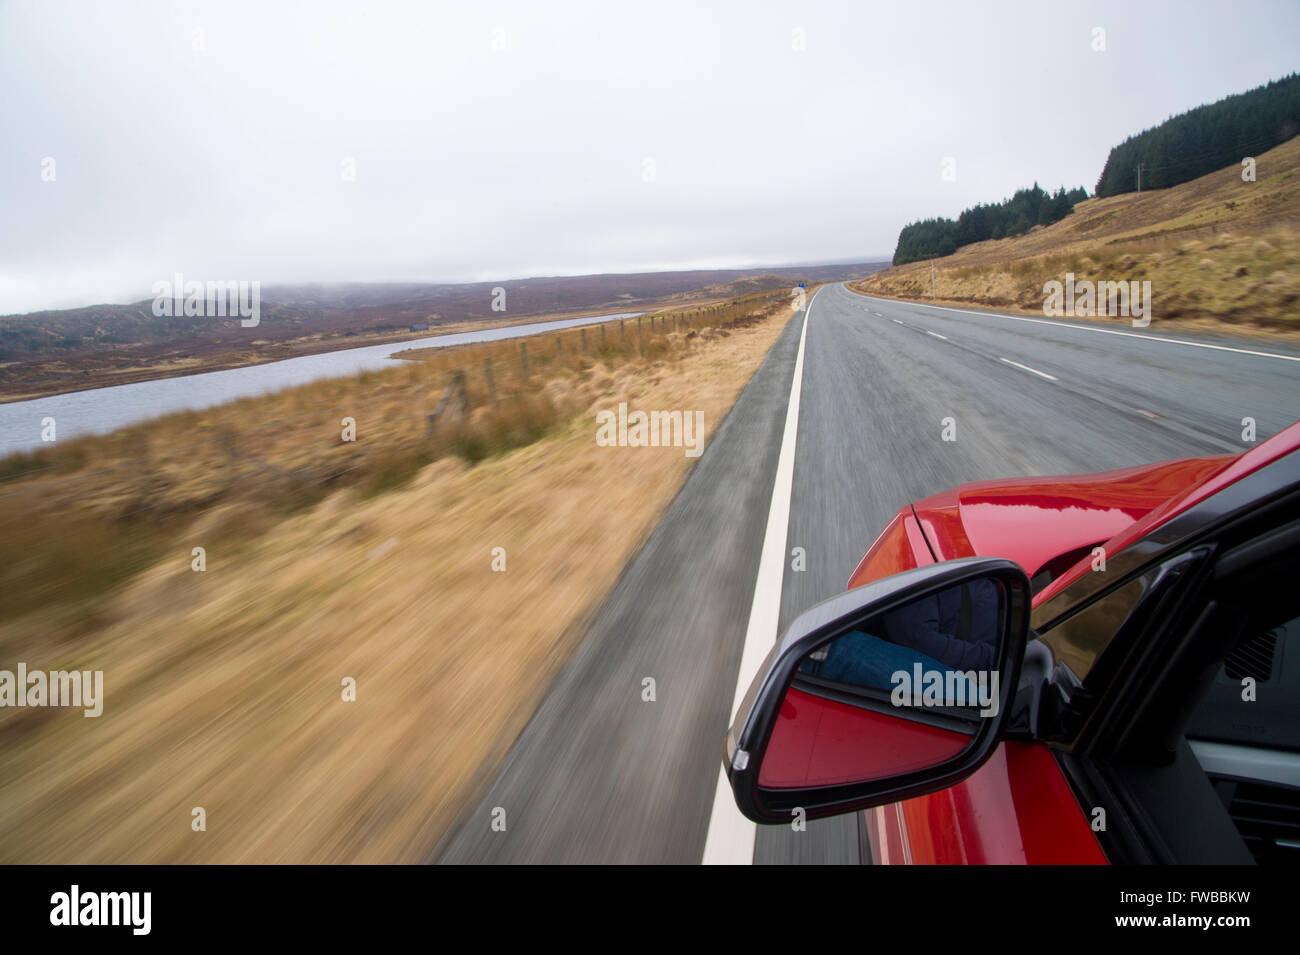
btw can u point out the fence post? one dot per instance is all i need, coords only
(455, 389)
(638, 326)
(491, 383)
(583, 332)
(523, 355)
(602, 336)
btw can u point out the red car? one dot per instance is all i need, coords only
(1084, 669)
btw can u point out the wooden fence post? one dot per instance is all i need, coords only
(455, 389)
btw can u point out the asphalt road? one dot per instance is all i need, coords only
(599, 775)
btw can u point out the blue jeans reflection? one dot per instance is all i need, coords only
(863, 660)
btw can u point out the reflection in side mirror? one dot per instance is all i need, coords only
(935, 655)
(891, 690)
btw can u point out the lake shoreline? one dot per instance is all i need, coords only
(25, 424)
(108, 376)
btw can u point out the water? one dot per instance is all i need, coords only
(103, 410)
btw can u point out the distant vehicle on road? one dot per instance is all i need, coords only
(1083, 669)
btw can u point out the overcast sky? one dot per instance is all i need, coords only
(500, 140)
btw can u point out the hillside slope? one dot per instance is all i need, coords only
(1216, 250)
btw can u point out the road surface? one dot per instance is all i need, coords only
(601, 775)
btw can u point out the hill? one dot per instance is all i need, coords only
(1210, 137)
(1217, 250)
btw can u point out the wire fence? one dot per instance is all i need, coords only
(452, 384)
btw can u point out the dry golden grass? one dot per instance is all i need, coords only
(78, 518)
(1218, 252)
(224, 688)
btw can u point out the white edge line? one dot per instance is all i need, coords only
(1032, 371)
(880, 832)
(1099, 331)
(731, 836)
(902, 834)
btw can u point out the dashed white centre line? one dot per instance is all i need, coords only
(1032, 371)
(897, 322)
(731, 836)
(936, 334)
(1158, 339)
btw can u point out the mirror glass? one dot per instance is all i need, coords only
(899, 692)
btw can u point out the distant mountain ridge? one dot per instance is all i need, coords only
(290, 312)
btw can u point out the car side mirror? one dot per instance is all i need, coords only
(894, 689)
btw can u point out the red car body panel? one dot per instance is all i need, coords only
(1016, 810)
(1033, 523)
(1018, 807)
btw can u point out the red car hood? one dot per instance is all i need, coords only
(1037, 521)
